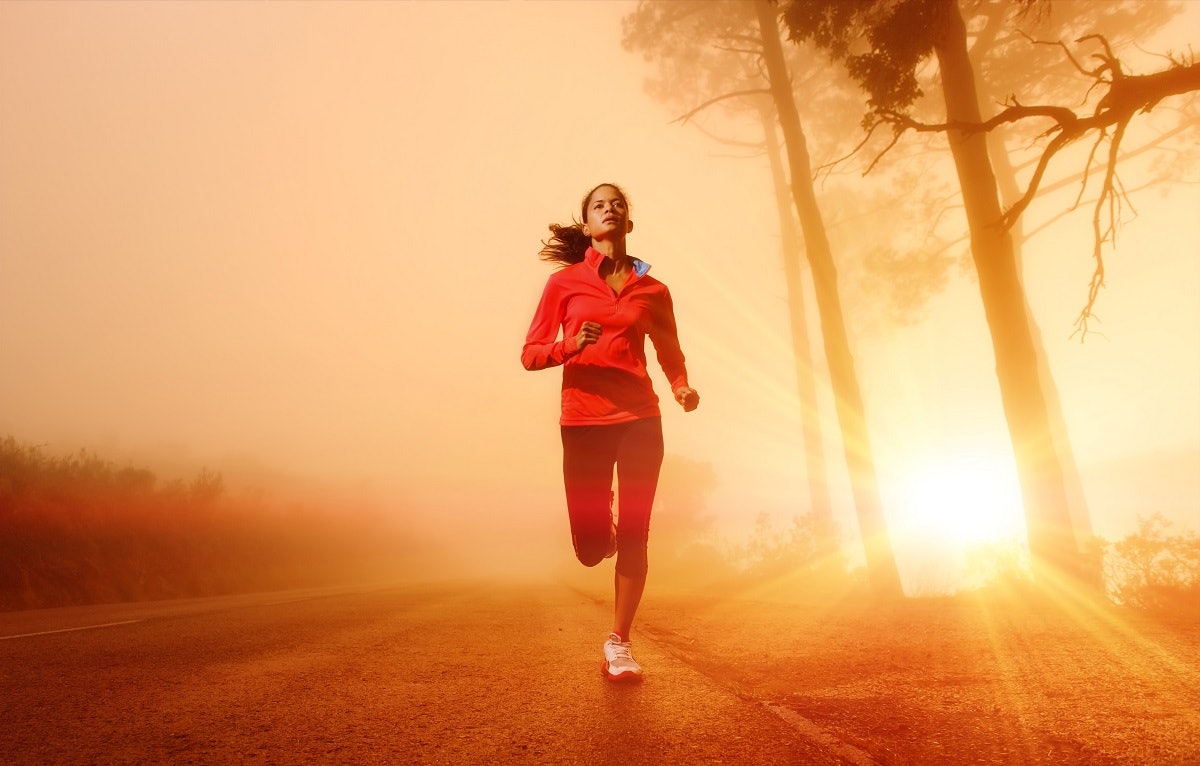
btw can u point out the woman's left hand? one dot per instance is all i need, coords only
(687, 397)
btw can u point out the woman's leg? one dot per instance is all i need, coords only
(639, 458)
(589, 454)
(628, 590)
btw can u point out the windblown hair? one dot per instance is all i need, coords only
(567, 244)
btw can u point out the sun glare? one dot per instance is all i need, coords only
(963, 500)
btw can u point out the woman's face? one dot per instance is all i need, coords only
(606, 215)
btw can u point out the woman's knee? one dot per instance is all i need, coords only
(589, 551)
(589, 559)
(631, 555)
(632, 564)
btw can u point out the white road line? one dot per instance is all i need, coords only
(68, 630)
(815, 733)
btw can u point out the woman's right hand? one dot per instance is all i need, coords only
(589, 333)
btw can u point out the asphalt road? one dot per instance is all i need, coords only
(445, 674)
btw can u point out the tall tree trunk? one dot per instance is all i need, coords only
(1051, 541)
(806, 378)
(1010, 191)
(856, 443)
(1077, 509)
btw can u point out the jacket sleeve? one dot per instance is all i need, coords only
(665, 338)
(542, 347)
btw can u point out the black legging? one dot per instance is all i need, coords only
(589, 454)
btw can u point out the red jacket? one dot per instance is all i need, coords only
(607, 382)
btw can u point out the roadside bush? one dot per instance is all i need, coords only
(77, 529)
(806, 544)
(1154, 572)
(998, 563)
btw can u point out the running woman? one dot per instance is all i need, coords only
(605, 305)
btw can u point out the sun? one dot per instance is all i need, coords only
(964, 500)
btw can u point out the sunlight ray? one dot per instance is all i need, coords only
(1096, 614)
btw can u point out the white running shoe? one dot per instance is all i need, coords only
(619, 664)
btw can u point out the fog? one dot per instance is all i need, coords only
(296, 243)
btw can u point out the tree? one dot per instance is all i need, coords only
(763, 43)
(901, 35)
(856, 440)
(1008, 64)
(806, 379)
(702, 48)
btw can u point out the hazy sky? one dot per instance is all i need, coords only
(303, 236)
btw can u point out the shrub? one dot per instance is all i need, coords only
(78, 529)
(1154, 572)
(805, 544)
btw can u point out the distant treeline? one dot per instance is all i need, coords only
(78, 529)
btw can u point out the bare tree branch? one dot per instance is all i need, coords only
(1153, 143)
(758, 146)
(828, 167)
(1059, 43)
(682, 119)
(1108, 193)
(1126, 96)
(1013, 213)
(895, 140)
(1087, 169)
(739, 51)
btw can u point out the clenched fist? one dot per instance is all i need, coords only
(688, 398)
(589, 333)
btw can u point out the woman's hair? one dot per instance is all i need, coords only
(567, 244)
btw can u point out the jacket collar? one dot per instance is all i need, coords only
(593, 257)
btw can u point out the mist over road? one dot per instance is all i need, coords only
(435, 674)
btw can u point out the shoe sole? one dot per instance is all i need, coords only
(626, 676)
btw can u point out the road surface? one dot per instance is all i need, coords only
(431, 674)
